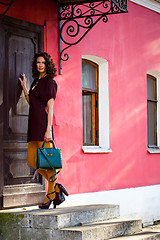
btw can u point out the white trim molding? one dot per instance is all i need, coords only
(151, 4)
(103, 107)
(140, 202)
(153, 150)
(95, 149)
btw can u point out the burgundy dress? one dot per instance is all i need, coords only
(38, 97)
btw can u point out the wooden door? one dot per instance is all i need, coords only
(20, 48)
(21, 41)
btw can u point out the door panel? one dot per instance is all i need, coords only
(19, 62)
(20, 52)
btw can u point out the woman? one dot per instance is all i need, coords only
(41, 98)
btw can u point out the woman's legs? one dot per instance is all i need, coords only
(32, 160)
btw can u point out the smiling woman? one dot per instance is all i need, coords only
(41, 97)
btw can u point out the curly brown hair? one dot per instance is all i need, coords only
(50, 65)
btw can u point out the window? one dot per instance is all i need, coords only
(99, 68)
(90, 102)
(152, 110)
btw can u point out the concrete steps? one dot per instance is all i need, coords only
(101, 230)
(90, 222)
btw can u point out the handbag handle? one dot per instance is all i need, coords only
(49, 141)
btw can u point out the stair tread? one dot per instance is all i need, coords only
(146, 233)
(11, 190)
(139, 236)
(99, 224)
(22, 193)
(60, 210)
(67, 210)
(21, 185)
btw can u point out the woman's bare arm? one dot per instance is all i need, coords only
(48, 134)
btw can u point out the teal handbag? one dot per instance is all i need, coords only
(49, 158)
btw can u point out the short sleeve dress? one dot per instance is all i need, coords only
(39, 94)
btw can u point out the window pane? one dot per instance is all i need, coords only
(151, 93)
(88, 76)
(87, 119)
(152, 123)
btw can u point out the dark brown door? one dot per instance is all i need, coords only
(20, 41)
(20, 48)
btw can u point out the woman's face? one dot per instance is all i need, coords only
(41, 67)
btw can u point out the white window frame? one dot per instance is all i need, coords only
(157, 76)
(103, 108)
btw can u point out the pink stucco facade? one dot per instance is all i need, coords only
(130, 44)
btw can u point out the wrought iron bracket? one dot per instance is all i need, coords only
(77, 19)
(8, 4)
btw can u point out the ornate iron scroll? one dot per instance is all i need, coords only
(8, 4)
(77, 19)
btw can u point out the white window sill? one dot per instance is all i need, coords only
(154, 150)
(95, 149)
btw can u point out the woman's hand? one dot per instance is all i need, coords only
(23, 80)
(48, 135)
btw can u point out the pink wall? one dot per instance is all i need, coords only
(126, 41)
(130, 44)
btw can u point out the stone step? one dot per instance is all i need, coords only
(71, 216)
(23, 195)
(140, 236)
(32, 223)
(88, 214)
(100, 230)
(22, 188)
(147, 233)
